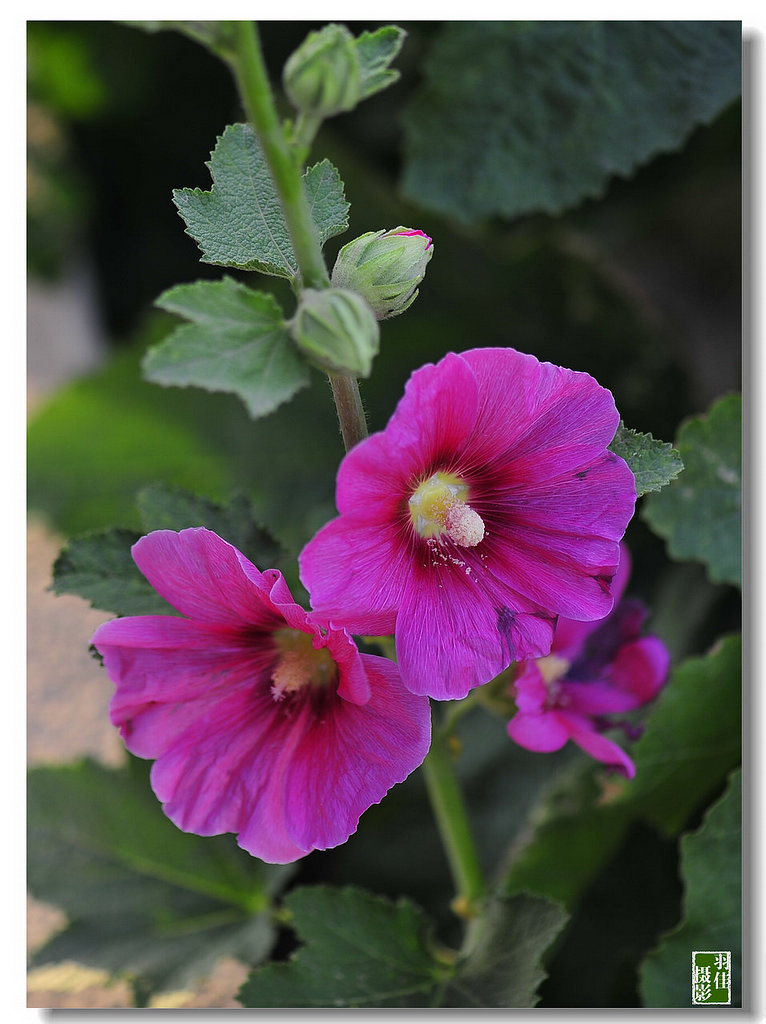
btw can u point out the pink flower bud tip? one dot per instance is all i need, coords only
(417, 232)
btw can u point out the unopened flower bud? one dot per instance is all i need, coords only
(322, 76)
(385, 267)
(336, 331)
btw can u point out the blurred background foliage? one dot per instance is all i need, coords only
(640, 287)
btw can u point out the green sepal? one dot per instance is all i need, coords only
(331, 71)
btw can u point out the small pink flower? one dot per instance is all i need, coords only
(594, 669)
(488, 506)
(260, 723)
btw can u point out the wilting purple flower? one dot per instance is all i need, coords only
(595, 669)
(489, 505)
(261, 723)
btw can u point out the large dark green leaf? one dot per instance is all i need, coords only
(142, 898)
(711, 867)
(693, 739)
(103, 438)
(170, 508)
(700, 515)
(360, 950)
(99, 566)
(364, 951)
(520, 117)
(504, 968)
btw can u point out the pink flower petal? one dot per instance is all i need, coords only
(363, 752)
(571, 635)
(453, 634)
(226, 774)
(598, 746)
(356, 574)
(530, 690)
(596, 698)
(569, 574)
(529, 443)
(536, 412)
(640, 669)
(161, 657)
(201, 576)
(564, 504)
(543, 732)
(433, 419)
(200, 696)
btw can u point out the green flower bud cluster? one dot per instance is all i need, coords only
(336, 330)
(385, 267)
(322, 77)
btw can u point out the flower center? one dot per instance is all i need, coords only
(299, 664)
(438, 507)
(553, 669)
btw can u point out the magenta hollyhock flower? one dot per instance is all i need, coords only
(489, 505)
(595, 669)
(260, 723)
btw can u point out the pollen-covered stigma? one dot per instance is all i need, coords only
(438, 508)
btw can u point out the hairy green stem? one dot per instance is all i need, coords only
(348, 402)
(452, 820)
(255, 91)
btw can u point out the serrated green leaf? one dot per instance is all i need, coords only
(505, 969)
(711, 867)
(700, 515)
(360, 951)
(691, 742)
(364, 951)
(375, 51)
(521, 117)
(142, 897)
(99, 568)
(170, 508)
(239, 222)
(327, 200)
(237, 342)
(653, 463)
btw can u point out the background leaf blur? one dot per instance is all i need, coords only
(520, 117)
(143, 899)
(712, 909)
